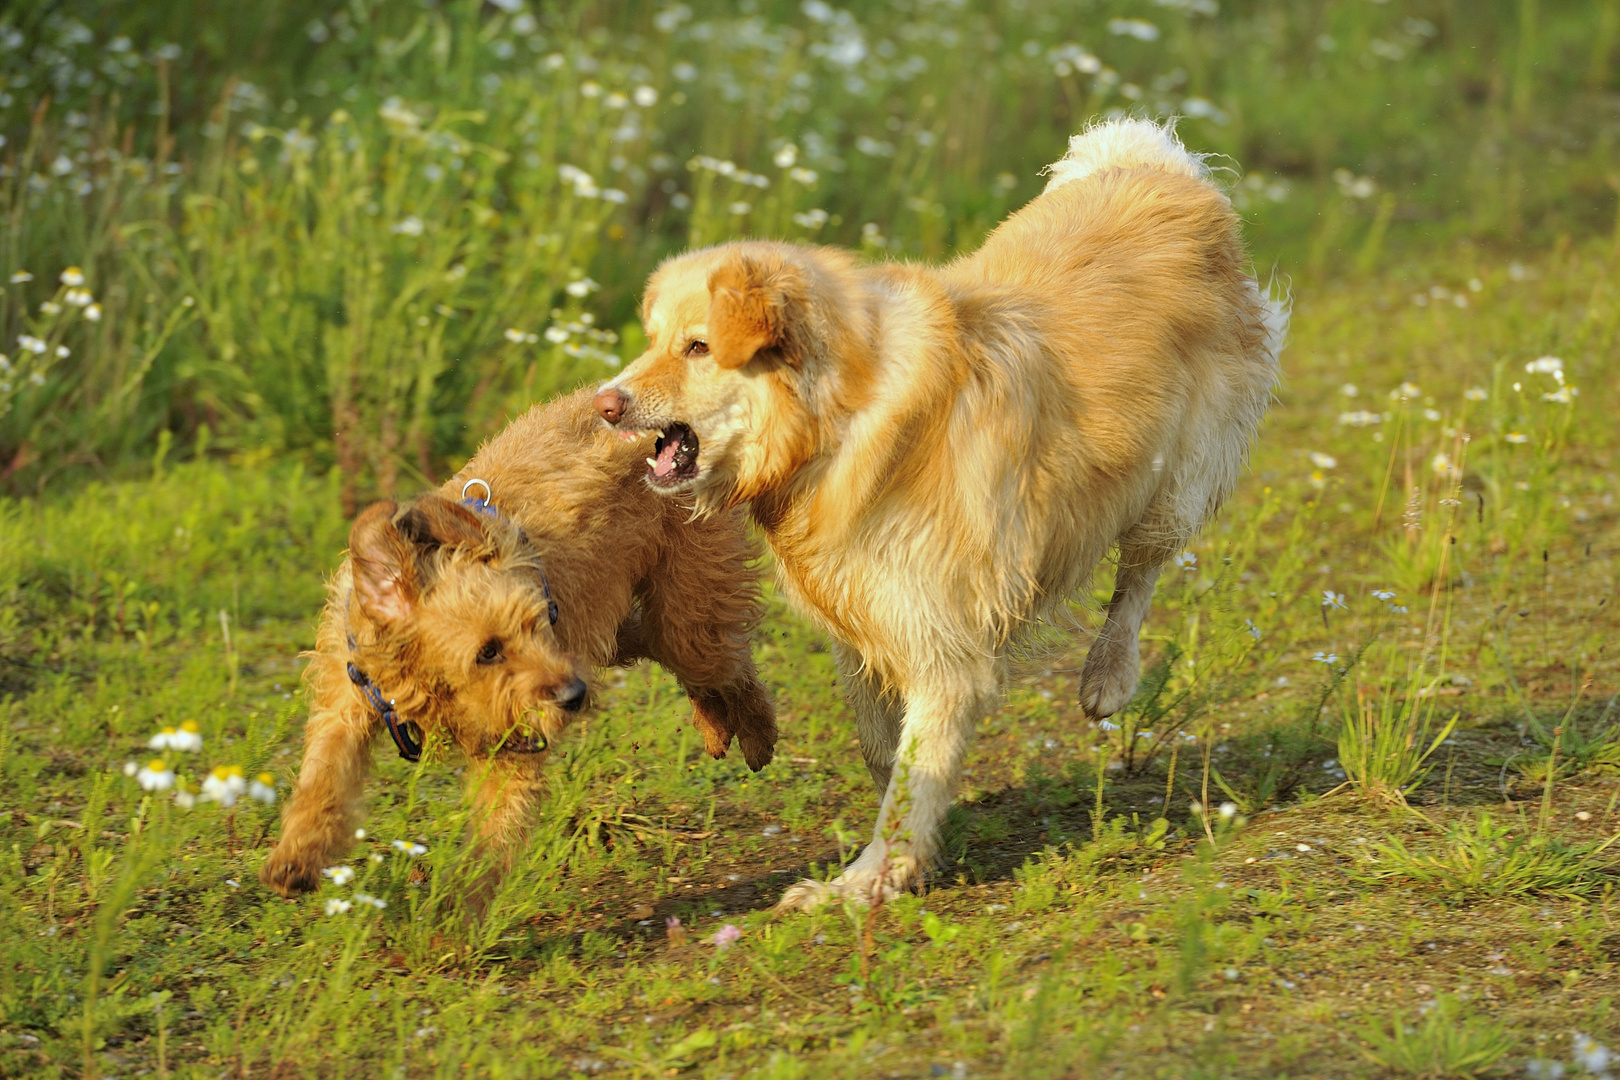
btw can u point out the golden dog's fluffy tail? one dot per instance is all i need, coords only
(1126, 144)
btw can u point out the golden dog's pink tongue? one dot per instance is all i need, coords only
(666, 458)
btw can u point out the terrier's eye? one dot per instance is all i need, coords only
(698, 347)
(490, 652)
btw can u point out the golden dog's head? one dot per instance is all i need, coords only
(451, 617)
(745, 361)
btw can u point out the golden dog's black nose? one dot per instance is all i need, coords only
(611, 402)
(572, 696)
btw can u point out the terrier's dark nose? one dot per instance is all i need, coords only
(611, 402)
(572, 696)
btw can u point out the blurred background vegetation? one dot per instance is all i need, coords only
(363, 234)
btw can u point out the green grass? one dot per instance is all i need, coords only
(179, 492)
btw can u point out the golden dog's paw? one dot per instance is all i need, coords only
(860, 885)
(289, 875)
(1108, 681)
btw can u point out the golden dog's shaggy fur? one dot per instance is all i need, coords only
(940, 457)
(445, 609)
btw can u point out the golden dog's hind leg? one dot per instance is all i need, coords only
(940, 711)
(320, 818)
(878, 714)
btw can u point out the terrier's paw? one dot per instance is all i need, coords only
(861, 884)
(758, 747)
(1108, 681)
(290, 875)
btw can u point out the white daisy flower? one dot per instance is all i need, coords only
(335, 906)
(224, 784)
(72, 276)
(340, 875)
(263, 789)
(155, 776)
(409, 848)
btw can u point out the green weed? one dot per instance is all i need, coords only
(1481, 859)
(1445, 1043)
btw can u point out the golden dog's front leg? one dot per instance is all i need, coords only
(321, 816)
(905, 842)
(505, 791)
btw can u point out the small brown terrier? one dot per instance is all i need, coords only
(443, 618)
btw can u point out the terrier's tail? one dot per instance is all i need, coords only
(1126, 144)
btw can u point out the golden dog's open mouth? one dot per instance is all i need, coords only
(675, 457)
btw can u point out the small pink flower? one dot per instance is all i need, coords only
(724, 936)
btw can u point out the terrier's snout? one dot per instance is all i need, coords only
(572, 696)
(611, 403)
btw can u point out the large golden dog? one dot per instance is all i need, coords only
(940, 457)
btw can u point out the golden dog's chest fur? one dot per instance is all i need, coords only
(940, 457)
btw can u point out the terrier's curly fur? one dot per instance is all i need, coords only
(940, 456)
(445, 610)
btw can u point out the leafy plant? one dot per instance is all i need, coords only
(1388, 738)
(1445, 1043)
(1482, 859)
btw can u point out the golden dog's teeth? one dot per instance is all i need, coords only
(653, 462)
(660, 433)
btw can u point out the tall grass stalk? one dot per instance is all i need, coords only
(146, 847)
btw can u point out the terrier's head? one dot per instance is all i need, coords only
(451, 617)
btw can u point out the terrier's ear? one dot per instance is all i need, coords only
(384, 563)
(750, 306)
(434, 521)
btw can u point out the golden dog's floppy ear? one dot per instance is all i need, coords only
(749, 308)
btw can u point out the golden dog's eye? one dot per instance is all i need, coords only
(490, 652)
(698, 347)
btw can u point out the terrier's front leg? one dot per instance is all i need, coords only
(505, 791)
(320, 819)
